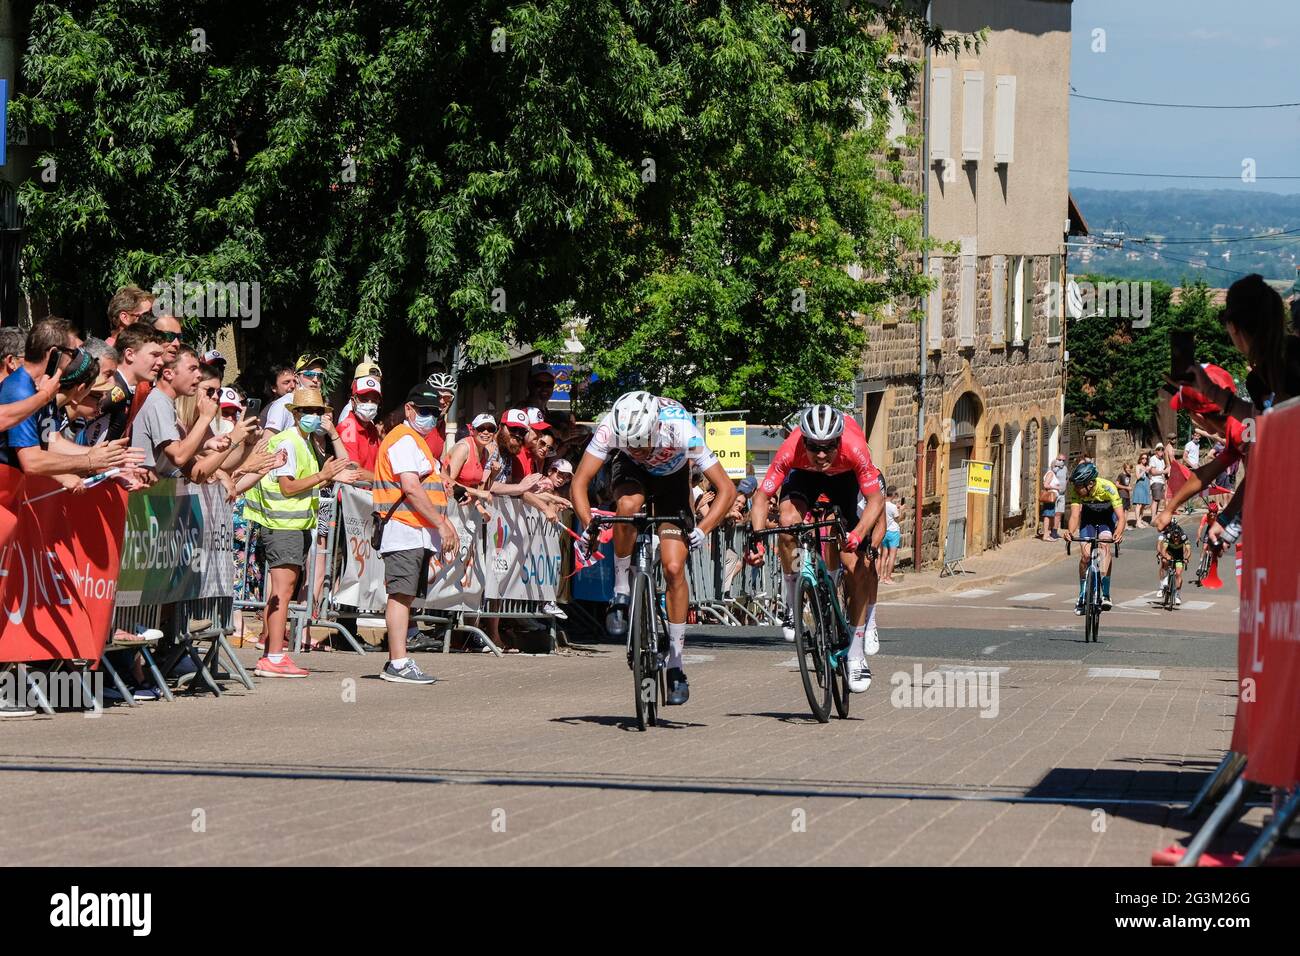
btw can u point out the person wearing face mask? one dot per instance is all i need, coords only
(358, 431)
(285, 503)
(409, 503)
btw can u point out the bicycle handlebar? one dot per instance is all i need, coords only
(801, 528)
(683, 521)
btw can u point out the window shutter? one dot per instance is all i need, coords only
(934, 320)
(1029, 297)
(972, 122)
(897, 125)
(998, 309)
(940, 114)
(1056, 301)
(1013, 293)
(1004, 105)
(966, 294)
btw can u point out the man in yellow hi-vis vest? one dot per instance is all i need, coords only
(410, 501)
(284, 502)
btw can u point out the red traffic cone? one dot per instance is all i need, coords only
(1212, 580)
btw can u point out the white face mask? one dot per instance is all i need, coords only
(366, 411)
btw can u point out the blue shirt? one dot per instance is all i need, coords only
(27, 433)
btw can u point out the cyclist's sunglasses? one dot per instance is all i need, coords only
(820, 448)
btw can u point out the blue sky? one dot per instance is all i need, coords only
(1186, 51)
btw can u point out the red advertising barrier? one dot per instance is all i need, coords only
(58, 568)
(1268, 643)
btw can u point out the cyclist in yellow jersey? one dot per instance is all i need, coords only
(1096, 514)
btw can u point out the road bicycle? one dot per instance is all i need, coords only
(821, 631)
(647, 634)
(1092, 589)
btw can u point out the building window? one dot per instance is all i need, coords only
(1056, 298)
(931, 466)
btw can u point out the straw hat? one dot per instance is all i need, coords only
(307, 398)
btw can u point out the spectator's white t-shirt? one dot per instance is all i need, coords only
(278, 416)
(891, 516)
(1156, 470)
(405, 455)
(1192, 453)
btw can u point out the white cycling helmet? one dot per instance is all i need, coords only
(441, 381)
(821, 423)
(636, 415)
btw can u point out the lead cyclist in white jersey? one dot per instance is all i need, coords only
(652, 440)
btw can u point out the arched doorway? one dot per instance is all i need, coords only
(961, 446)
(996, 506)
(1030, 472)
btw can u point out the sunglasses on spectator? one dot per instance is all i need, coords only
(170, 336)
(211, 392)
(313, 373)
(490, 429)
(818, 448)
(520, 433)
(427, 409)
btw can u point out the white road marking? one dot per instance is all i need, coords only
(975, 593)
(1032, 596)
(1196, 605)
(792, 662)
(971, 669)
(703, 658)
(1136, 673)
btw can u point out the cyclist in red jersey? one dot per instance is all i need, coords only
(827, 454)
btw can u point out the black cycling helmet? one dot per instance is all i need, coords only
(1084, 473)
(1175, 532)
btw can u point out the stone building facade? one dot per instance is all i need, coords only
(997, 196)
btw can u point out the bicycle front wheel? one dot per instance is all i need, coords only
(642, 649)
(812, 646)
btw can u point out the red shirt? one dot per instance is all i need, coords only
(853, 456)
(523, 466)
(361, 439)
(437, 440)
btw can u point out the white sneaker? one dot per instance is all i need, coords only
(871, 640)
(859, 675)
(553, 609)
(1177, 599)
(787, 626)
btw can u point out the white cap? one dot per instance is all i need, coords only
(481, 420)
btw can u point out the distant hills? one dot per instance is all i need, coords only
(1179, 215)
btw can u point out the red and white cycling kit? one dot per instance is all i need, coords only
(853, 456)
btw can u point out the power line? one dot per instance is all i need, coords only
(1109, 172)
(1189, 106)
(1192, 240)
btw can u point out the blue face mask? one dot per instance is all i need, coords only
(424, 423)
(309, 423)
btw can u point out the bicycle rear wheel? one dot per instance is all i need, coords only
(812, 646)
(643, 654)
(1091, 616)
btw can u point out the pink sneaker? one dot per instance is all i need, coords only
(286, 668)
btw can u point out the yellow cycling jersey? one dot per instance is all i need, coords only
(1104, 494)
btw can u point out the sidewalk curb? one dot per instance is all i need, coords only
(962, 582)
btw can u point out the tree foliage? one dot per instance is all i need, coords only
(691, 179)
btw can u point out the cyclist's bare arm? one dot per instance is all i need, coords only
(587, 469)
(724, 496)
(1120, 524)
(871, 517)
(1075, 511)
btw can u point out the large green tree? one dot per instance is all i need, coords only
(690, 179)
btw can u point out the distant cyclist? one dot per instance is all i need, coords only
(1172, 548)
(1096, 513)
(652, 439)
(827, 454)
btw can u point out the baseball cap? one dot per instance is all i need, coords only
(230, 399)
(481, 420)
(367, 370)
(536, 420)
(747, 486)
(213, 357)
(367, 384)
(560, 464)
(515, 418)
(423, 396)
(1191, 400)
(307, 361)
